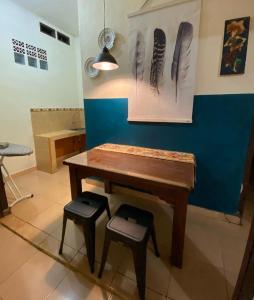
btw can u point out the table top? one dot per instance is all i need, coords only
(175, 173)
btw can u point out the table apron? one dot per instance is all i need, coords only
(167, 192)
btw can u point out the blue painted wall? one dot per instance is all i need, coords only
(219, 137)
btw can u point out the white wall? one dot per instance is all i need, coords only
(23, 87)
(213, 16)
(214, 13)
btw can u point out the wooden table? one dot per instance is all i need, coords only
(171, 181)
(52, 147)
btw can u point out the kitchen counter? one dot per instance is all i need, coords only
(61, 134)
(52, 148)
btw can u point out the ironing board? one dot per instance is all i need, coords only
(13, 150)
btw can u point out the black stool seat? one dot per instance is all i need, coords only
(130, 230)
(85, 210)
(141, 216)
(133, 227)
(87, 205)
(132, 222)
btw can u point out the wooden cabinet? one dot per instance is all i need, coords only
(70, 145)
(53, 147)
(80, 143)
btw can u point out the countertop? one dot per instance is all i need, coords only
(61, 134)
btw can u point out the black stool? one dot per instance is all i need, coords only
(85, 210)
(133, 227)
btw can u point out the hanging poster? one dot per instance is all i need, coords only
(235, 46)
(163, 54)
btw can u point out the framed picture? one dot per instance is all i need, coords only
(235, 46)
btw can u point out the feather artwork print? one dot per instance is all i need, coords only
(138, 67)
(181, 58)
(158, 60)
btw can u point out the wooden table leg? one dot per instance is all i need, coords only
(179, 224)
(75, 182)
(4, 208)
(108, 187)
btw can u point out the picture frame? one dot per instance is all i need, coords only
(235, 44)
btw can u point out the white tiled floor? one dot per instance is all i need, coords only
(212, 257)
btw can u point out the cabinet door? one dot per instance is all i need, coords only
(65, 146)
(70, 145)
(80, 143)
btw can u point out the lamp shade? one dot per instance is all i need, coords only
(105, 61)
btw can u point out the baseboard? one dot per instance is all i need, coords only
(203, 211)
(233, 219)
(24, 172)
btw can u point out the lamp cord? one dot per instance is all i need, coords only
(104, 23)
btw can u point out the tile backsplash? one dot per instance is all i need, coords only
(46, 120)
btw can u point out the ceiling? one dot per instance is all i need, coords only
(61, 13)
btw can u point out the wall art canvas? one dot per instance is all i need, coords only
(235, 46)
(163, 53)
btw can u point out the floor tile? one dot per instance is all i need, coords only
(32, 234)
(232, 239)
(36, 279)
(116, 253)
(201, 242)
(128, 288)
(74, 236)
(80, 262)
(5, 235)
(52, 246)
(76, 287)
(49, 220)
(54, 188)
(29, 208)
(231, 278)
(26, 230)
(213, 248)
(197, 280)
(157, 273)
(13, 255)
(57, 193)
(13, 222)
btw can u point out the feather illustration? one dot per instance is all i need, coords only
(181, 58)
(158, 60)
(138, 67)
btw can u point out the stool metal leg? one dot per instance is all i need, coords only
(63, 234)
(139, 255)
(154, 241)
(108, 211)
(89, 233)
(104, 254)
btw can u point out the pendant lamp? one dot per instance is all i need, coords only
(105, 61)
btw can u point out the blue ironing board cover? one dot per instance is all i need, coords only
(16, 150)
